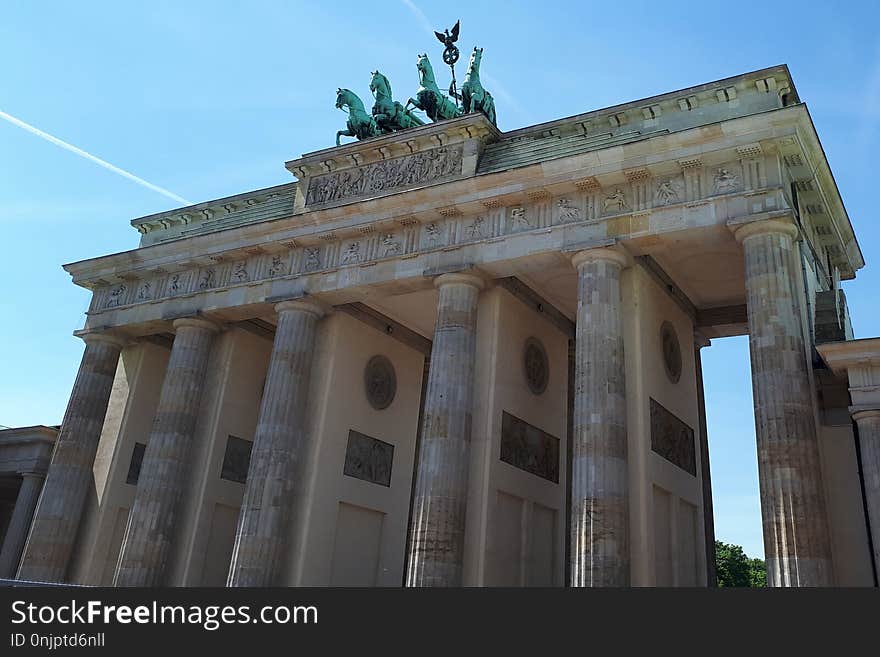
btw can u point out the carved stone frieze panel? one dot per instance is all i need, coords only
(726, 180)
(236, 459)
(368, 459)
(134, 465)
(672, 439)
(529, 448)
(433, 165)
(588, 203)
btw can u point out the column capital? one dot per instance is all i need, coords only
(864, 411)
(460, 278)
(196, 322)
(301, 305)
(612, 254)
(103, 336)
(776, 226)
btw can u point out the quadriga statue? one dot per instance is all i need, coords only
(429, 98)
(473, 97)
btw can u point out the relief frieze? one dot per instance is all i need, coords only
(589, 203)
(672, 439)
(428, 166)
(528, 448)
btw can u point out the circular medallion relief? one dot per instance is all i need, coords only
(537, 368)
(380, 382)
(671, 351)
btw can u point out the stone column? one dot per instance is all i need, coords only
(868, 422)
(599, 479)
(700, 342)
(796, 536)
(56, 520)
(22, 514)
(151, 522)
(279, 443)
(438, 524)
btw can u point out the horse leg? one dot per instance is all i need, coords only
(490, 108)
(344, 133)
(478, 102)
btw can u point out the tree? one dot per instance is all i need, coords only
(757, 574)
(734, 567)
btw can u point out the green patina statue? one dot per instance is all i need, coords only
(429, 98)
(473, 97)
(389, 114)
(359, 124)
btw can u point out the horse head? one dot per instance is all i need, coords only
(476, 57)
(350, 98)
(424, 67)
(379, 83)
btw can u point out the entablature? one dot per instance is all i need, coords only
(710, 174)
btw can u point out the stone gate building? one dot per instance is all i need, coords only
(455, 356)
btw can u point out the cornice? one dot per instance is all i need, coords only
(174, 224)
(840, 356)
(773, 79)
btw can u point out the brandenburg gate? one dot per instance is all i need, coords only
(447, 355)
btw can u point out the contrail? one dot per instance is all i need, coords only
(499, 88)
(97, 160)
(420, 15)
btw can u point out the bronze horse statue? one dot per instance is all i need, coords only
(429, 98)
(359, 124)
(473, 97)
(389, 114)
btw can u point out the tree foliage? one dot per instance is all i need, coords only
(735, 568)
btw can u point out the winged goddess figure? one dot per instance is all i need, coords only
(450, 54)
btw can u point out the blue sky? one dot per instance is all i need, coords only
(208, 99)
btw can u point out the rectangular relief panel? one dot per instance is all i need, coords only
(368, 458)
(529, 448)
(672, 439)
(134, 466)
(375, 178)
(236, 460)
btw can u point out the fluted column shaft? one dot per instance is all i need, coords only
(600, 479)
(436, 555)
(56, 520)
(796, 536)
(279, 443)
(151, 522)
(868, 422)
(22, 514)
